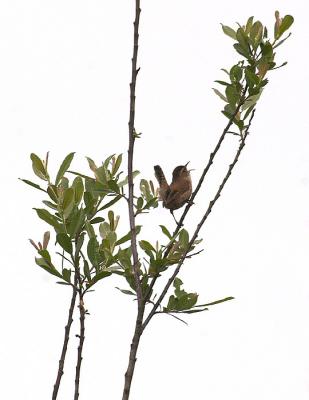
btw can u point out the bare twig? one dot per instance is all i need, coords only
(140, 301)
(201, 223)
(200, 182)
(172, 315)
(65, 341)
(206, 169)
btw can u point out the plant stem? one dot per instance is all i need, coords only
(200, 224)
(65, 342)
(198, 187)
(132, 357)
(82, 313)
(136, 271)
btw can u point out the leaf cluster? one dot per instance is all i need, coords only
(247, 78)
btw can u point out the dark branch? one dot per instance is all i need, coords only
(200, 182)
(136, 265)
(65, 342)
(201, 223)
(81, 336)
(131, 154)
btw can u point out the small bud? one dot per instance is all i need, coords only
(34, 244)
(46, 238)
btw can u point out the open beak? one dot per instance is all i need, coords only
(187, 164)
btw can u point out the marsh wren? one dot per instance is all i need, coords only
(178, 193)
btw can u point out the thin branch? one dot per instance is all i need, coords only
(206, 169)
(81, 336)
(140, 302)
(65, 341)
(195, 254)
(201, 223)
(171, 315)
(200, 182)
(131, 154)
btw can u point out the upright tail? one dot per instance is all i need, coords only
(160, 177)
(164, 186)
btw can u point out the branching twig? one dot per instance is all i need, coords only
(199, 226)
(65, 341)
(206, 169)
(200, 182)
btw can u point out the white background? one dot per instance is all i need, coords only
(64, 75)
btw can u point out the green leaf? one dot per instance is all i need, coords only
(45, 254)
(32, 184)
(256, 34)
(107, 161)
(41, 262)
(77, 220)
(267, 50)
(90, 230)
(241, 50)
(110, 203)
(125, 181)
(124, 291)
(166, 232)
(222, 97)
(68, 202)
(232, 95)
(64, 167)
(87, 270)
(127, 237)
(97, 220)
(242, 39)
(146, 246)
(249, 25)
(251, 78)
(117, 164)
(66, 273)
(229, 31)
(53, 193)
(92, 164)
(38, 167)
(81, 175)
(184, 238)
(98, 277)
(50, 204)
(92, 250)
(140, 202)
(65, 242)
(216, 302)
(48, 217)
(113, 186)
(235, 73)
(104, 229)
(286, 22)
(89, 201)
(78, 187)
(222, 83)
(111, 219)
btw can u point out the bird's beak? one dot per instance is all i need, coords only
(187, 164)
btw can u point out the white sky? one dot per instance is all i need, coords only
(64, 75)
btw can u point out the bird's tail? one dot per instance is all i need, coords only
(160, 177)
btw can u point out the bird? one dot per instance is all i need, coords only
(178, 193)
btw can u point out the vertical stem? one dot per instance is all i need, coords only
(136, 272)
(132, 357)
(65, 343)
(131, 154)
(81, 336)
